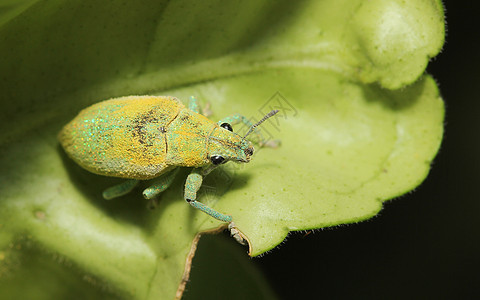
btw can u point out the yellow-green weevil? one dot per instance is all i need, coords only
(146, 137)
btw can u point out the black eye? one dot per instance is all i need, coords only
(249, 151)
(227, 126)
(217, 159)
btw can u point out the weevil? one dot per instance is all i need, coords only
(151, 137)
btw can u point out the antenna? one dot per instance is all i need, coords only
(270, 114)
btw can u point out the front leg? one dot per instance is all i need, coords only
(238, 118)
(193, 184)
(195, 106)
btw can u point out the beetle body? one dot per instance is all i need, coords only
(143, 137)
(146, 137)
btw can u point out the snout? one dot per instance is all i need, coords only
(249, 152)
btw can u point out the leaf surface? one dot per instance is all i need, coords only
(359, 123)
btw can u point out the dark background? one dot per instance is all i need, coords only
(424, 245)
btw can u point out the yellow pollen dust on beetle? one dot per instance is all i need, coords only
(151, 137)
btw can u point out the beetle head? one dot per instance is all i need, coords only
(225, 145)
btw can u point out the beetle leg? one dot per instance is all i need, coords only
(238, 118)
(159, 185)
(193, 104)
(120, 189)
(237, 234)
(193, 184)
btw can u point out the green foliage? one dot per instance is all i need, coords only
(360, 124)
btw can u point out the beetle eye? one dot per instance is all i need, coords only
(217, 159)
(227, 126)
(249, 151)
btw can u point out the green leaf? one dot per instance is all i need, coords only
(359, 123)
